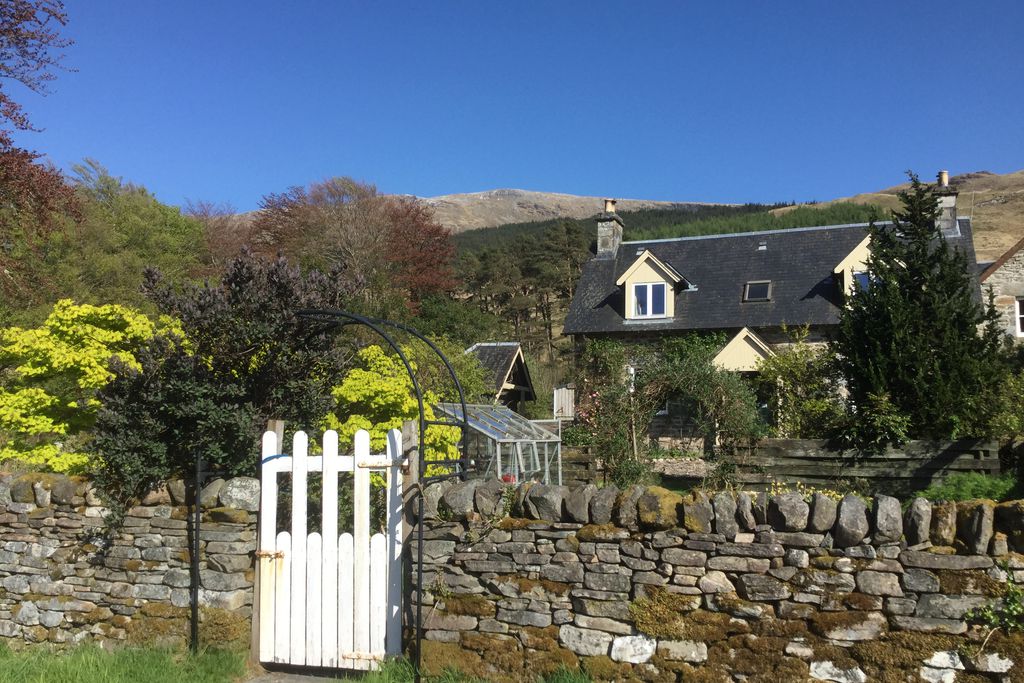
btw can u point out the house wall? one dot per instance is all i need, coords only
(856, 260)
(645, 585)
(645, 272)
(63, 581)
(1007, 285)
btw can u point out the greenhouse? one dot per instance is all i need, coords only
(507, 446)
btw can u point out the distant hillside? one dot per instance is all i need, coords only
(461, 212)
(661, 223)
(995, 203)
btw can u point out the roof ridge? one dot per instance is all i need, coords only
(751, 233)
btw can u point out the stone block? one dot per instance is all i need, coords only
(975, 524)
(698, 513)
(925, 560)
(577, 503)
(888, 520)
(607, 624)
(457, 502)
(683, 651)
(851, 525)
(879, 583)
(683, 557)
(633, 649)
(584, 642)
(917, 521)
(788, 512)
(624, 514)
(241, 493)
(659, 508)
(943, 526)
(602, 505)
(761, 588)
(827, 671)
(725, 512)
(938, 606)
(926, 625)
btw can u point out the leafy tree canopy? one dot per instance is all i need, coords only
(245, 358)
(49, 376)
(802, 386)
(919, 353)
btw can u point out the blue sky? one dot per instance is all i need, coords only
(711, 101)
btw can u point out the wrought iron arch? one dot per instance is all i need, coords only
(450, 469)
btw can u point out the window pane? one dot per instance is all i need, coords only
(863, 279)
(641, 299)
(757, 291)
(657, 299)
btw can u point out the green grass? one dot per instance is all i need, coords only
(90, 664)
(973, 486)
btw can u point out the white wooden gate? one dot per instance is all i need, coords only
(327, 600)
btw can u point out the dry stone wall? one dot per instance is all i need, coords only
(644, 584)
(63, 581)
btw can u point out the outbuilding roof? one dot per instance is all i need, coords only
(497, 359)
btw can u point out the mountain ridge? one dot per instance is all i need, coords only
(995, 202)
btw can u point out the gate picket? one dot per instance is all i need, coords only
(297, 654)
(329, 564)
(327, 600)
(314, 600)
(344, 599)
(361, 547)
(282, 591)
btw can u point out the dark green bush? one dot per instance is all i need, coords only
(973, 486)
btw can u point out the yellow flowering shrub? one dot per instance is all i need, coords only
(49, 376)
(377, 396)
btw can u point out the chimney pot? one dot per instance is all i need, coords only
(609, 206)
(943, 178)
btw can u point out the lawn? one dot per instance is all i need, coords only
(90, 664)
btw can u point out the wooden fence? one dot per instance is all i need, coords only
(915, 466)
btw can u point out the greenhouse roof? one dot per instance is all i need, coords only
(498, 423)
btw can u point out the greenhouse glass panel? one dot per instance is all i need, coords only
(507, 446)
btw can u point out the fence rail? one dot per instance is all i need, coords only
(915, 466)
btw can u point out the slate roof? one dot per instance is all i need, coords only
(798, 261)
(497, 359)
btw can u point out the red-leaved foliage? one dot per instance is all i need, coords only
(419, 250)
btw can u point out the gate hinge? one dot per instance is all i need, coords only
(279, 555)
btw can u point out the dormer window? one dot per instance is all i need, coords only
(649, 286)
(649, 300)
(758, 290)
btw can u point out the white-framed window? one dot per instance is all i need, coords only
(758, 290)
(649, 300)
(862, 278)
(1018, 315)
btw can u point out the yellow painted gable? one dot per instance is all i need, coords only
(743, 353)
(855, 262)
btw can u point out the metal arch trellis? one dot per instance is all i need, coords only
(449, 469)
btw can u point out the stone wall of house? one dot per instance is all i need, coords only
(62, 580)
(643, 584)
(1007, 285)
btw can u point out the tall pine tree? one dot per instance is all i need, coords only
(920, 354)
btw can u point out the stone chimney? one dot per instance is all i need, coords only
(947, 205)
(609, 231)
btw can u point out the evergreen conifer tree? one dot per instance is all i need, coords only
(920, 354)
